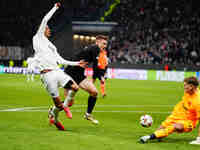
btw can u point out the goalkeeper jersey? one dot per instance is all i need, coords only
(188, 108)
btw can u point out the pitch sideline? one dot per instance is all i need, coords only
(45, 108)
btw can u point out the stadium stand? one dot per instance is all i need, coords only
(149, 31)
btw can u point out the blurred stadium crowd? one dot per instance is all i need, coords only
(148, 31)
(156, 31)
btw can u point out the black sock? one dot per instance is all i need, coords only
(152, 136)
(91, 104)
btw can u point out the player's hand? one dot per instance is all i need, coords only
(197, 141)
(83, 63)
(58, 5)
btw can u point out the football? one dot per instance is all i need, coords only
(146, 120)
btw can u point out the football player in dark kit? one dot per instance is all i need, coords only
(90, 55)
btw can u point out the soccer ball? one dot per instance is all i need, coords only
(146, 120)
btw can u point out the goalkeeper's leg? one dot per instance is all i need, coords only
(163, 131)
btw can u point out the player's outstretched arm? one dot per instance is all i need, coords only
(47, 17)
(83, 63)
(61, 60)
(80, 63)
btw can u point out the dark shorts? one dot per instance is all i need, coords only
(76, 72)
(98, 73)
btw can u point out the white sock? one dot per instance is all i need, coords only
(69, 97)
(55, 111)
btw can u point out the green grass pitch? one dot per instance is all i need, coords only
(24, 124)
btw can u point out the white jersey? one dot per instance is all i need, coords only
(45, 51)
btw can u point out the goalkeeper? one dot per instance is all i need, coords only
(185, 115)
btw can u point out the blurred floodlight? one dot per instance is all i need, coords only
(81, 37)
(76, 36)
(93, 38)
(87, 37)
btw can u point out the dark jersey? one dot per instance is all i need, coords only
(90, 55)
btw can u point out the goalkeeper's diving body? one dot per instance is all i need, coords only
(185, 116)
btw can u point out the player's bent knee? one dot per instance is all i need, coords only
(179, 127)
(58, 103)
(59, 106)
(69, 84)
(94, 93)
(75, 87)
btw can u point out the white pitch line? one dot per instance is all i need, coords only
(79, 106)
(41, 109)
(19, 109)
(101, 106)
(101, 111)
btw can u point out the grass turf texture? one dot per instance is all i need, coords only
(118, 114)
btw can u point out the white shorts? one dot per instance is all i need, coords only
(53, 80)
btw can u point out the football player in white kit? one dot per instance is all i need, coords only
(51, 75)
(32, 63)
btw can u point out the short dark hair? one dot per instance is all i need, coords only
(192, 80)
(99, 37)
